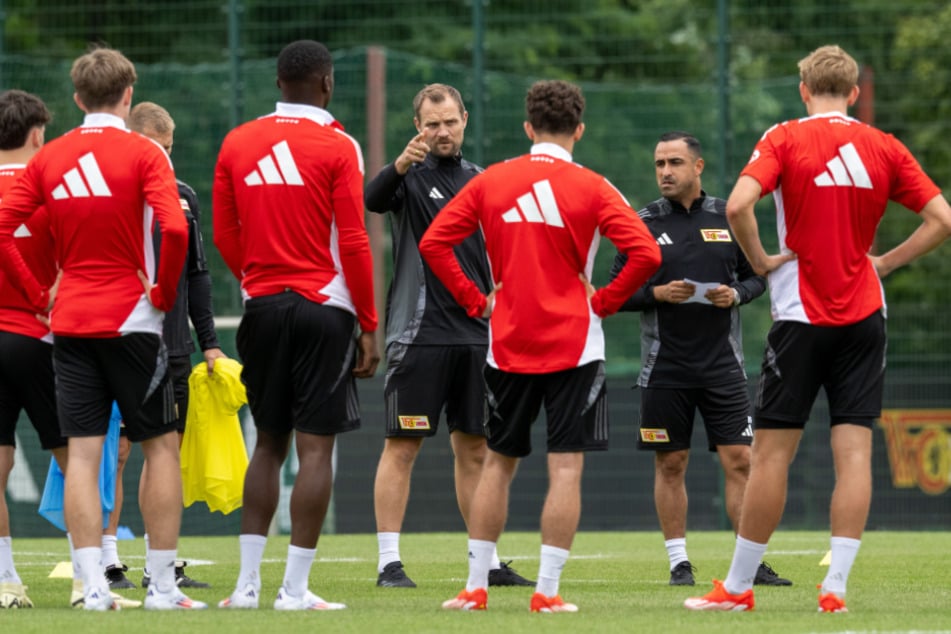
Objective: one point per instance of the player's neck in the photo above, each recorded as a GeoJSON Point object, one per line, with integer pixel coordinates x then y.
{"type": "Point", "coordinates": [826, 105]}
{"type": "Point", "coordinates": [566, 141]}
{"type": "Point", "coordinates": [686, 200]}
{"type": "Point", "coordinates": [19, 156]}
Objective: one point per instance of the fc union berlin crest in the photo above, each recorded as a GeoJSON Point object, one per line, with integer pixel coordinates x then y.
{"type": "Point", "coordinates": [919, 448]}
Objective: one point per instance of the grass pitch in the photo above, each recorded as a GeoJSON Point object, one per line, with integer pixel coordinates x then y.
{"type": "Point", "coordinates": [900, 583]}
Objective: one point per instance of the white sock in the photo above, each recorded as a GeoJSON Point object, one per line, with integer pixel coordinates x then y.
{"type": "Point", "coordinates": [252, 551]}
{"type": "Point", "coordinates": [746, 558]}
{"type": "Point", "coordinates": [161, 564]}
{"type": "Point", "coordinates": [146, 569]}
{"type": "Point", "coordinates": [389, 545]}
{"type": "Point", "coordinates": [77, 575]}
{"type": "Point", "coordinates": [553, 559]}
{"type": "Point", "coordinates": [844, 550]}
{"type": "Point", "coordinates": [480, 556]}
{"type": "Point", "coordinates": [297, 570]}
{"type": "Point", "coordinates": [110, 551]}
{"type": "Point", "coordinates": [496, 562]}
{"type": "Point", "coordinates": [676, 551]}
{"type": "Point", "coordinates": [8, 574]}
{"type": "Point", "coordinates": [89, 561]}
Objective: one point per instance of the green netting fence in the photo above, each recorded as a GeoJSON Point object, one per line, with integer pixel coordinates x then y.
{"type": "Point", "coordinates": [723, 70]}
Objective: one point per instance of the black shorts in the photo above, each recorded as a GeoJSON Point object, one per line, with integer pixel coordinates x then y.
{"type": "Point", "coordinates": [27, 383]}
{"type": "Point", "coordinates": [575, 407]}
{"type": "Point", "coordinates": [180, 368]}
{"type": "Point", "coordinates": [131, 370]}
{"type": "Point", "coordinates": [667, 416]}
{"type": "Point", "coordinates": [298, 359]}
{"type": "Point", "coordinates": [848, 361]}
{"type": "Point", "coordinates": [421, 380]}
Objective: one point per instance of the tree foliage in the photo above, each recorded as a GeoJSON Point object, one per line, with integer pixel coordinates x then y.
{"type": "Point", "coordinates": [647, 66]}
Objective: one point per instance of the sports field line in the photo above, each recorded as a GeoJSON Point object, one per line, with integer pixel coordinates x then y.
{"type": "Point", "coordinates": [886, 632]}
{"type": "Point", "coordinates": [811, 551]}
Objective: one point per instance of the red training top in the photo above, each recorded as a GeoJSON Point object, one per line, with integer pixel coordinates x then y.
{"type": "Point", "coordinates": [542, 217]}
{"type": "Point", "coordinates": [288, 210]}
{"type": "Point", "coordinates": [832, 177]}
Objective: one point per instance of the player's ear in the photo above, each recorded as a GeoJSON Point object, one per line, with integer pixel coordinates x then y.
{"type": "Point", "coordinates": [529, 131]}
{"type": "Point", "coordinates": [579, 132]}
{"type": "Point", "coordinates": [37, 136]}
{"type": "Point", "coordinates": [854, 95]}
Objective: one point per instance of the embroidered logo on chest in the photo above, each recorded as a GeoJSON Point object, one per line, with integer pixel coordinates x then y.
{"type": "Point", "coordinates": [715, 235]}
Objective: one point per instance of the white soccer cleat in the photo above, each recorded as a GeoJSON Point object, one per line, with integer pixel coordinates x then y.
{"type": "Point", "coordinates": [244, 599]}
{"type": "Point", "coordinates": [309, 601]}
{"type": "Point", "coordinates": [78, 598]}
{"type": "Point", "coordinates": [99, 600]}
{"type": "Point", "coordinates": [174, 600]}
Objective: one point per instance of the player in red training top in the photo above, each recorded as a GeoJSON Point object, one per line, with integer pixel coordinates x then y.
{"type": "Point", "coordinates": [288, 220]}
{"type": "Point", "coordinates": [103, 187]}
{"type": "Point", "coordinates": [542, 216]}
{"type": "Point", "coordinates": [26, 350]}
{"type": "Point", "coordinates": [832, 177]}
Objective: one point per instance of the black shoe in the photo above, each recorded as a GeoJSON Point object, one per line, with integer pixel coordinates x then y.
{"type": "Point", "coordinates": [181, 579]}
{"type": "Point", "coordinates": [393, 576]}
{"type": "Point", "coordinates": [766, 576]}
{"type": "Point", "coordinates": [115, 575]}
{"type": "Point", "coordinates": [184, 581]}
{"type": "Point", "coordinates": [505, 575]}
{"type": "Point", "coordinates": [682, 574]}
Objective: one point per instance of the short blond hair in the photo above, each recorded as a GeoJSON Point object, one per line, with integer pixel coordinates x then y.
{"type": "Point", "coordinates": [101, 76]}
{"type": "Point", "coordinates": [437, 93]}
{"type": "Point", "coordinates": [829, 70]}
{"type": "Point", "coordinates": [150, 117]}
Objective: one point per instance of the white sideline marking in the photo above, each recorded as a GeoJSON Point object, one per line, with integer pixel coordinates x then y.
{"type": "Point", "coordinates": [886, 632]}
{"type": "Point", "coordinates": [797, 552]}
{"type": "Point", "coordinates": [227, 322]}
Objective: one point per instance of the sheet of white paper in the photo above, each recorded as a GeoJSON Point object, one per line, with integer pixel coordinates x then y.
{"type": "Point", "coordinates": [701, 289]}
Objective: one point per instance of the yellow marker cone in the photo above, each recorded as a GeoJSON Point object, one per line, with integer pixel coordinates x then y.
{"type": "Point", "coordinates": [827, 559]}
{"type": "Point", "coordinates": [62, 570]}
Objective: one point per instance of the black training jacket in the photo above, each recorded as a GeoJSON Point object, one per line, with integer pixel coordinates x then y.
{"type": "Point", "coordinates": [692, 344]}
{"type": "Point", "coordinates": [419, 309]}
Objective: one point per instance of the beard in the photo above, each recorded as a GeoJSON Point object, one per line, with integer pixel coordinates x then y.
{"type": "Point", "coordinates": [445, 150]}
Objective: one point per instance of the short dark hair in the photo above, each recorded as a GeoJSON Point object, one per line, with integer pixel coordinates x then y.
{"type": "Point", "coordinates": [693, 144]}
{"type": "Point", "coordinates": [20, 112]}
{"type": "Point", "coordinates": [554, 106]}
{"type": "Point", "coordinates": [303, 60]}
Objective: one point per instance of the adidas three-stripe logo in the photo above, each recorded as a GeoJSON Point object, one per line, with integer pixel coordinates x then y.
{"type": "Point", "coordinates": [845, 170]}
{"type": "Point", "coordinates": [664, 239]}
{"type": "Point", "coordinates": [83, 181]}
{"type": "Point", "coordinates": [537, 205]}
{"type": "Point", "coordinates": [277, 168]}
